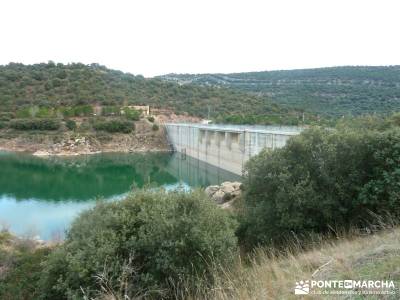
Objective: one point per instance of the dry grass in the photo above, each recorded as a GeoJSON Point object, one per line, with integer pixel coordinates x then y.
{"type": "Point", "coordinates": [273, 275]}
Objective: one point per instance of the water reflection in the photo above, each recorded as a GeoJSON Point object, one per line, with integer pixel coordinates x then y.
{"type": "Point", "coordinates": [43, 195]}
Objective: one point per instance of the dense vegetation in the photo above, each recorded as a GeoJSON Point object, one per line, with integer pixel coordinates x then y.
{"type": "Point", "coordinates": [24, 268]}
{"type": "Point", "coordinates": [323, 180]}
{"type": "Point", "coordinates": [114, 126]}
{"type": "Point", "coordinates": [329, 91]}
{"type": "Point", "coordinates": [57, 90]}
{"type": "Point", "coordinates": [150, 243]}
{"type": "Point", "coordinates": [35, 124]}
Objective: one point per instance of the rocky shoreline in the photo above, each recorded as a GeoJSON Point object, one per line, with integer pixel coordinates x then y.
{"type": "Point", "coordinates": [75, 152]}
{"type": "Point", "coordinates": [83, 146]}
{"type": "Point", "coordinates": [67, 144]}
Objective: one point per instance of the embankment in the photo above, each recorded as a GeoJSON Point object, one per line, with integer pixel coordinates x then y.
{"type": "Point", "coordinates": [64, 142]}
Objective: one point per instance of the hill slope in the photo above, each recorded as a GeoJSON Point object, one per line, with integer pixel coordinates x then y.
{"type": "Point", "coordinates": [272, 276]}
{"type": "Point", "coordinates": [268, 276]}
{"type": "Point", "coordinates": [55, 85]}
{"type": "Point", "coordinates": [331, 91]}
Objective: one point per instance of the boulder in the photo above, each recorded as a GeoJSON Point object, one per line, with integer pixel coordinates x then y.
{"type": "Point", "coordinates": [227, 191]}
{"type": "Point", "coordinates": [237, 185]}
{"type": "Point", "coordinates": [210, 190]}
{"type": "Point", "coordinates": [227, 188]}
{"type": "Point", "coordinates": [236, 193]}
{"type": "Point", "coordinates": [219, 197]}
{"type": "Point", "coordinates": [226, 183]}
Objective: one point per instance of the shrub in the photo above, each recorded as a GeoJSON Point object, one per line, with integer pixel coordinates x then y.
{"type": "Point", "coordinates": [35, 112]}
{"type": "Point", "coordinates": [161, 237]}
{"type": "Point", "coordinates": [155, 127]}
{"type": "Point", "coordinates": [6, 116]}
{"type": "Point", "coordinates": [71, 124]}
{"type": "Point", "coordinates": [85, 126]}
{"type": "Point", "coordinates": [151, 119]}
{"type": "Point", "coordinates": [3, 125]}
{"type": "Point", "coordinates": [322, 179]}
{"type": "Point", "coordinates": [114, 126]}
{"type": "Point", "coordinates": [77, 111]}
{"type": "Point", "coordinates": [35, 124]}
{"type": "Point", "coordinates": [26, 112]}
{"type": "Point", "coordinates": [44, 112]}
{"type": "Point", "coordinates": [21, 280]}
{"type": "Point", "coordinates": [132, 114]}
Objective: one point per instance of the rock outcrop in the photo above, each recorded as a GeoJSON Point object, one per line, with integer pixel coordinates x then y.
{"type": "Point", "coordinates": [224, 194]}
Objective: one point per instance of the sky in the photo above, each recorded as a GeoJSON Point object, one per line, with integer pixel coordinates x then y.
{"type": "Point", "coordinates": [154, 37]}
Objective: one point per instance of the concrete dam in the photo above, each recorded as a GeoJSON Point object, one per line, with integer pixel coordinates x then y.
{"type": "Point", "coordinates": [228, 147]}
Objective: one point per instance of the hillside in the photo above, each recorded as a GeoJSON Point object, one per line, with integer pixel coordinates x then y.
{"type": "Point", "coordinates": [332, 91]}
{"type": "Point", "coordinates": [274, 275]}
{"type": "Point", "coordinates": [51, 85]}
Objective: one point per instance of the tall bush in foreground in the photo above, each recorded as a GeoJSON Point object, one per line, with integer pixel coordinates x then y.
{"type": "Point", "coordinates": [145, 244]}
{"type": "Point", "coordinates": [321, 180]}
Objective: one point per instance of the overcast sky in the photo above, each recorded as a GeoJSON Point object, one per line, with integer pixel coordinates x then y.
{"type": "Point", "coordinates": [153, 37]}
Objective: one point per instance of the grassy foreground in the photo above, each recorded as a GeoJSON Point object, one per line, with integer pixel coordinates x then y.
{"type": "Point", "coordinates": [273, 275]}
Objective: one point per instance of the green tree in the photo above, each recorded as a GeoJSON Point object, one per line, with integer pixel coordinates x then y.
{"type": "Point", "coordinates": [70, 124]}
{"type": "Point", "coordinates": [165, 238]}
{"type": "Point", "coordinates": [320, 180]}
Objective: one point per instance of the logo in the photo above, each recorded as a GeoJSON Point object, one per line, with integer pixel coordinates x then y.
{"type": "Point", "coordinates": [302, 288]}
{"type": "Point", "coordinates": [345, 287]}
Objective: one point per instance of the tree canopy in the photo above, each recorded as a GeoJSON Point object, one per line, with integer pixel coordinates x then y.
{"type": "Point", "coordinates": [49, 87]}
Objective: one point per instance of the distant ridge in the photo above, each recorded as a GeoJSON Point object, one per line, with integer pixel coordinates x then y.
{"type": "Point", "coordinates": [330, 91]}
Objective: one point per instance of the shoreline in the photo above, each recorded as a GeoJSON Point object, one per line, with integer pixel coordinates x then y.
{"type": "Point", "coordinates": [69, 143]}
{"type": "Point", "coordinates": [44, 153]}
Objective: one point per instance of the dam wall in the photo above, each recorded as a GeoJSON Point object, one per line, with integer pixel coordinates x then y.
{"type": "Point", "coordinates": [196, 172]}
{"type": "Point", "coordinates": [227, 147]}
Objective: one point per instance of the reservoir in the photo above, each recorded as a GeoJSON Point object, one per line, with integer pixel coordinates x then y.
{"type": "Point", "coordinates": [41, 196]}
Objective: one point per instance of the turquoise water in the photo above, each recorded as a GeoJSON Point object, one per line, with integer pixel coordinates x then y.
{"type": "Point", "coordinates": [41, 196]}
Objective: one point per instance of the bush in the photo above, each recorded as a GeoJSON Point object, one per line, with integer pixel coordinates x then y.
{"type": "Point", "coordinates": [3, 125]}
{"type": "Point", "coordinates": [21, 280]}
{"type": "Point", "coordinates": [85, 126]}
{"type": "Point", "coordinates": [132, 114]}
{"type": "Point", "coordinates": [77, 111]}
{"type": "Point", "coordinates": [35, 112]}
{"type": "Point", "coordinates": [155, 127]}
{"type": "Point", "coordinates": [35, 124]}
{"type": "Point", "coordinates": [26, 112]}
{"type": "Point", "coordinates": [6, 116]}
{"type": "Point", "coordinates": [71, 124]}
{"type": "Point", "coordinates": [322, 179]}
{"type": "Point", "coordinates": [114, 126]}
{"type": "Point", "coordinates": [162, 238]}
{"type": "Point", "coordinates": [151, 119]}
